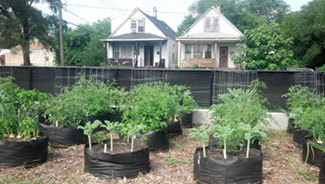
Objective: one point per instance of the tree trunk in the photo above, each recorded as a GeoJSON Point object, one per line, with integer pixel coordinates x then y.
{"type": "Point", "coordinates": [26, 50]}
{"type": "Point", "coordinates": [26, 42]}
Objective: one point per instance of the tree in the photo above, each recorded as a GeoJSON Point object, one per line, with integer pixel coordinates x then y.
{"type": "Point", "coordinates": [307, 28]}
{"type": "Point", "coordinates": [244, 14]}
{"type": "Point", "coordinates": [21, 23]}
{"type": "Point", "coordinates": [82, 46]}
{"type": "Point", "coordinates": [265, 48]}
{"type": "Point", "coordinates": [186, 23]}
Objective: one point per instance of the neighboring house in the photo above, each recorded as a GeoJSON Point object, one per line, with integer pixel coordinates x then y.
{"type": "Point", "coordinates": [39, 56]}
{"type": "Point", "coordinates": [209, 42]}
{"type": "Point", "coordinates": [142, 41]}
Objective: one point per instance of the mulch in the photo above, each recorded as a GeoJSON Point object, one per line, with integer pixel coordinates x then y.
{"type": "Point", "coordinates": [282, 164]}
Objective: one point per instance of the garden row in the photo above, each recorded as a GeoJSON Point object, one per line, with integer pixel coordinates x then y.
{"type": "Point", "coordinates": [120, 127]}
{"type": "Point", "coordinates": [307, 124]}
{"type": "Point", "coordinates": [141, 118]}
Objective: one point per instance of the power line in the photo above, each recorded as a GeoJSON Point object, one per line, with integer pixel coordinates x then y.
{"type": "Point", "coordinates": [119, 9]}
{"type": "Point", "coordinates": [76, 15]}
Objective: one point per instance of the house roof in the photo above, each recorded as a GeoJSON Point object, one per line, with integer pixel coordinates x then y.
{"type": "Point", "coordinates": [134, 37]}
{"type": "Point", "coordinates": [210, 35]}
{"type": "Point", "coordinates": [161, 25]}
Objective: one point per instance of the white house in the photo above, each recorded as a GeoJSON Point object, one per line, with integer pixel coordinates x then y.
{"type": "Point", "coordinates": [142, 41]}
{"type": "Point", "coordinates": [39, 55]}
{"type": "Point", "coordinates": [209, 42]}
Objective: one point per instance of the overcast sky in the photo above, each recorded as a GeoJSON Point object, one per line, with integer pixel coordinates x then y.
{"type": "Point", "coordinates": [170, 11]}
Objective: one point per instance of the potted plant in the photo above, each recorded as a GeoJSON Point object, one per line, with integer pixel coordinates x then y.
{"type": "Point", "coordinates": [187, 104]}
{"type": "Point", "coordinates": [237, 123]}
{"type": "Point", "coordinates": [20, 143]}
{"type": "Point", "coordinates": [122, 159]}
{"type": "Point", "coordinates": [239, 105]}
{"type": "Point", "coordinates": [87, 100]}
{"type": "Point", "coordinates": [227, 164]}
{"type": "Point", "coordinates": [313, 119]}
{"type": "Point", "coordinates": [299, 98]}
{"type": "Point", "coordinates": [146, 105]}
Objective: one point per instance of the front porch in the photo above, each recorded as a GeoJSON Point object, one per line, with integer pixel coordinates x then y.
{"type": "Point", "coordinates": [135, 52]}
{"type": "Point", "coordinates": [206, 54]}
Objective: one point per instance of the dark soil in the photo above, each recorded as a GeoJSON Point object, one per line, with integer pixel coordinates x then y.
{"type": "Point", "coordinates": [218, 154]}
{"type": "Point", "coordinates": [119, 146]}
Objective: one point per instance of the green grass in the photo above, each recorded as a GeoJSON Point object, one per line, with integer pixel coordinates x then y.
{"type": "Point", "coordinates": [170, 160]}
{"type": "Point", "coordinates": [307, 176]}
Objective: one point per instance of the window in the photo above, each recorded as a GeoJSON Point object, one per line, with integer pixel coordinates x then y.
{"type": "Point", "coordinates": [211, 24]}
{"type": "Point", "coordinates": [188, 51]}
{"type": "Point", "coordinates": [208, 51]}
{"type": "Point", "coordinates": [126, 51]}
{"type": "Point", "coordinates": [116, 52]}
{"type": "Point", "coordinates": [197, 51]}
{"type": "Point", "coordinates": [137, 26]}
{"type": "Point", "coordinates": [207, 25]}
{"type": "Point", "coordinates": [215, 25]}
{"type": "Point", "coordinates": [141, 26]}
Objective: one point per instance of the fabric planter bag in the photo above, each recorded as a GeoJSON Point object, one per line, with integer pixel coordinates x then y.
{"type": "Point", "coordinates": [235, 170]}
{"type": "Point", "coordinates": [63, 136]}
{"type": "Point", "coordinates": [322, 172]}
{"type": "Point", "coordinates": [291, 126]}
{"type": "Point", "coordinates": [299, 135]}
{"type": "Point", "coordinates": [315, 156]}
{"type": "Point", "coordinates": [213, 143]}
{"type": "Point", "coordinates": [174, 128]}
{"type": "Point", "coordinates": [26, 153]}
{"type": "Point", "coordinates": [110, 166]}
{"type": "Point", "coordinates": [156, 140]}
{"type": "Point", "coordinates": [186, 120]}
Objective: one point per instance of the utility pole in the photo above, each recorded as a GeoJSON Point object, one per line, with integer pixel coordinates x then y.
{"type": "Point", "coordinates": [61, 32]}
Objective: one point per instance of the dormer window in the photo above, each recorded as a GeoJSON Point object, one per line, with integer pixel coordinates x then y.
{"type": "Point", "coordinates": [137, 25]}
{"type": "Point", "coordinates": [211, 24]}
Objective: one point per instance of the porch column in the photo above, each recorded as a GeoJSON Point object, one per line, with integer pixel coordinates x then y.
{"type": "Point", "coordinates": [136, 54]}
{"type": "Point", "coordinates": [216, 63]}
{"type": "Point", "coordinates": [160, 62]}
{"type": "Point", "coordinates": [105, 53]}
{"type": "Point", "coordinates": [179, 54]}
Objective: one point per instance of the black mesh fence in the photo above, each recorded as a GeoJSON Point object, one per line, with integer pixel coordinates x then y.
{"type": "Point", "coordinates": [204, 84]}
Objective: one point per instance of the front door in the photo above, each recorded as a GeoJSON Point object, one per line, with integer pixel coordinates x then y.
{"type": "Point", "coordinates": [223, 57]}
{"type": "Point", "coordinates": [148, 55]}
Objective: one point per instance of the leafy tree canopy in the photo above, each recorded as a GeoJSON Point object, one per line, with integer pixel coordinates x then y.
{"type": "Point", "coordinates": [265, 48]}
{"type": "Point", "coordinates": [82, 46]}
{"type": "Point", "coordinates": [21, 23]}
{"type": "Point", "coordinates": [307, 27]}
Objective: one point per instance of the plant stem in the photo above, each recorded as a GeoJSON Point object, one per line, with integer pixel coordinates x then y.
{"type": "Point", "coordinates": [105, 148]}
{"type": "Point", "coordinates": [132, 142]}
{"type": "Point", "coordinates": [89, 141]}
{"type": "Point", "coordinates": [225, 149]}
{"type": "Point", "coordinates": [204, 153]}
{"type": "Point", "coordinates": [248, 147]}
{"type": "Point", "coordinates": [111, 135]}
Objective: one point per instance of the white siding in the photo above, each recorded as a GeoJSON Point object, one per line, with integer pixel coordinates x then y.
{"type": "Point", "coordinates": [149, 26]}
{"type": "Point", "coordinates": [225, 26]}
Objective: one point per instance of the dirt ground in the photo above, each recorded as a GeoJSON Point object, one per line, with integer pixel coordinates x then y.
{"type": "Point", "coordinates": [282, 164]}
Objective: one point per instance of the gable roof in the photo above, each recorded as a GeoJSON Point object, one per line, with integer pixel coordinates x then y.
{"type": "Point", "coordinates": [161, 25]}
{"type": "Point", "coordinates": [212, 8]}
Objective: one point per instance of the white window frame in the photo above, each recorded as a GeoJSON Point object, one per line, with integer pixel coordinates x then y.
{"type": "Point", "coordinates": [136, 28]}
{"type": "Point", "coordinates": [212, 27]}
